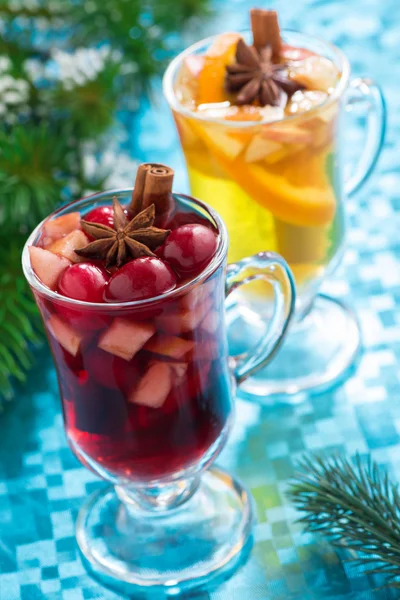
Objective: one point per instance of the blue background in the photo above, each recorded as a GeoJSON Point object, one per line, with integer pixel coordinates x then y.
{"type": "Point", "coordinates": [42, 485]}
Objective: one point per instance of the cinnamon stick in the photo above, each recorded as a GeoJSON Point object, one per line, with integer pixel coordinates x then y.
{"type": "Point", "coordinates": [158, 187]}
{"type": "Point", "coordinates": [266, 30]}
{"type": "Point", "coordinates": [153, 185]}
{"type": "Point", "coordinates": [135, 205]}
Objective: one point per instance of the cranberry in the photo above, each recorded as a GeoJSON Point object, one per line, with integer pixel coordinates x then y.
{"type": "Point", "coordinates": [189, 249]}
{"type": "Point", "coordinates": [83, 281]}
{"type": "Point", "coordinates": [103, 215]}
{"type": "Point", "coordinates": [141, 278]}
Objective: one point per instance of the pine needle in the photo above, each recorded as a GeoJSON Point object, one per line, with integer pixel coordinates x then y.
{"type": "Point", "coordinates": [356, 506]}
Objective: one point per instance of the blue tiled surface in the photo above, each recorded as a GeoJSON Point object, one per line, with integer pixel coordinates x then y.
{"type": "Point", "coordinates": [42, 485]}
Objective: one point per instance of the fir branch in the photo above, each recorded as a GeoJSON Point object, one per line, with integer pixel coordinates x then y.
{"type": "Point", "coordinates": [355, 506]}
{"type": "Point", "coordinates": [20, 326]}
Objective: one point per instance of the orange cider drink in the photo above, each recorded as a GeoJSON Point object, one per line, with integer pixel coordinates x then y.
{"type": "Point", "coordinates": [258, 127]}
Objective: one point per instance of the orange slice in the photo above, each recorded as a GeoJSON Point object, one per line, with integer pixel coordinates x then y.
{"type": "Point", "coordinates": [307, 206]}
{"type": "Point", "coordinates": [211, 82]}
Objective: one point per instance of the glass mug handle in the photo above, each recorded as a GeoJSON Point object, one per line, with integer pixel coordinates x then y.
{"type": "Point", "coordinates": [272, 268]}
{"type": "Point", "coordinates": [368, 92]}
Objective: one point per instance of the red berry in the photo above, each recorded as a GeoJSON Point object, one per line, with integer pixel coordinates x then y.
{"type": "Point", "coordinates": [190, 248]}
{"type": "Point", "coordinates": [83, 281]}
{"type": "Point", "coordinates": [141, 278]}
{"type": "Point", "coordinates": [103, 215]}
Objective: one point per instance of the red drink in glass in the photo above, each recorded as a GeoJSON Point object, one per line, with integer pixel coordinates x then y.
{"type": "Point", "coordinates": [146, 389]}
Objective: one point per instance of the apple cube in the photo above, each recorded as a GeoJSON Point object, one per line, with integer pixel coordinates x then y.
{"type": "Point", "coordinates": [67, 245]}
{"type": "Point", "coordinates": [211, 322]}
{"type": "Point", "coordinates": [154, 387]}
{"type": "Point", "coordinates": [187, 320]}
{"type": "Point", "coordinates": [287, 134]}
{"type": "Point", "coordinates": [47, 266]}
{"type": "Point", "coordinates": [259, 148]}
{"type": "Point", "coordinates": [125, 338]}
{"type": "Point", "coordinates": [60, 226]}
{"type": "Point", "coordinates": [227, 145]}
{"type": "Point", "coordinates": [169, 345]}
{"type": "Point", "coordinates": [316, 72]}
{"type": "Point", "coordinates": [67, 336]}
{"type": "Point", "coordinates": [198, 294]}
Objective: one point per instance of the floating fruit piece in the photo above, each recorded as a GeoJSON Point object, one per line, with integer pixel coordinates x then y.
{"type": "Point", "coordinates": [67, 245]}
{"type": "Point", "coordinates": [260, 147]}
{"type": "Point", "coordinates": [287, 134]}
{"type": "Point", "coordinates": [67, 337]}
{"type": "Point", "coordinates": [189, 249]}
{"type": "Point", "coordinates": [211, 80]}
{"type": "Point", "coordinates": [144, 277]}
{"type": "Point", "coordinates": [83, 281]}
{"type": "Point", "coordinates": [304, 206]}
{"type": "Point", "coordinates": [316, 73]}
{"type": "Point", "coordinates": [169, 345]}
{"type": "Point", "coordinates": [47, 266]}
{"type": "Point", "coordinates": [186, 320]}
{"type": "Point", "coordinates": [302, 101]}
{"type": "Point", "coordinates": [102, 214]}
{"type": "Point", "coordinates": [60, 226]}
{"type": "Point", "coordinates": [294, 53]}
{"type": "Point", "coordinates": [198, 294]}
{"type": "Point", "coordinates": [125, 338]}
{"type": "Point", "coordinates": [154, 387]}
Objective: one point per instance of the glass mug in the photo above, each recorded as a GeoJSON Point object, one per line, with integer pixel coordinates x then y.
{"type": "Point", "coordinates": [154, 444]}
{"type": "Point", "coordinates": [289, 199]}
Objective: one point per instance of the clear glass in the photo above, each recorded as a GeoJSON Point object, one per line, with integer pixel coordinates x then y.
{"type": "Point", "coordinates": [151, 421]}
{"type": "Point", "coordinates": [279, 186]}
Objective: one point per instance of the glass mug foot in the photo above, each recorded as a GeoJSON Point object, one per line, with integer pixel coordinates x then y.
{"type": "Point", "coordinates": [318, 353]}
{"type": "Point", "coordinates": [128, 548]}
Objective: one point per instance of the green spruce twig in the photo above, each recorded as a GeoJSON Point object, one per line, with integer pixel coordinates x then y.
{"type": "Point", "coordinates": [355, 505]}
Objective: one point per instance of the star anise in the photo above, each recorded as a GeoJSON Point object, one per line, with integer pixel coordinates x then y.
{"type": "Point", "coordinates": [128, 239]}
{"type": "Point", "coordinates": [255, 77]}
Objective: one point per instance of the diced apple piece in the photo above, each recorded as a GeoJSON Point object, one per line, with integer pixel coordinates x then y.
{"type": "Point", "coordinates": [67, 245]}
{"type": "Point", "coordinates": [259, 148]}
{"type": "Point", "coordinates": [316, 72]}
{"type": "Point", "coordinates": [287, 134]}
{"type": "Point", "coordinates": [211, 322]}
{"type": "Point", "coordinates": [47, 266]}
{"type": "Point", "coordinates": [169, 345]}
{"type": "Point", "coordinates": [125, 338]}
{"type": "Point", "coordinates": [198, 294]}
{"type": "Point", "coordinates": [67, 337]}
{"type": "Point", "coordinates": [63, 225]}
{"type": "Point", "coordinates": [154, 387]}
{"type": "Point", "coordinates": [186, 134]}
{"type": "Point", "coordinates": [302, 101]}
{"type": "Point", "coordinates": [187, 320]}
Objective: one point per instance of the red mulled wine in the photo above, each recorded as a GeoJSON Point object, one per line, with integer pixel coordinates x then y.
{"type": "Point", "coordinates": [140, 349]}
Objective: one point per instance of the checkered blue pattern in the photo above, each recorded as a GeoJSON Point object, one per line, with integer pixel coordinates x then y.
{"type": "Point", "coordinates": [42, 485]}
